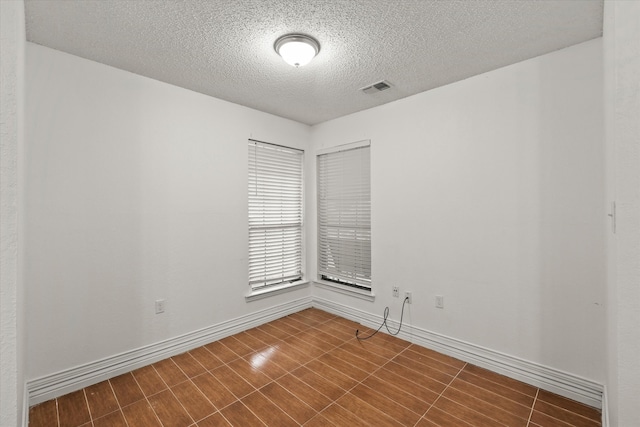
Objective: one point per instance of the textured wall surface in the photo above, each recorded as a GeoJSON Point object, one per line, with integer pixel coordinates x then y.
{"type": "Point", "coordinates": [224, 48]}
{"type": "Point", "coordinates": [622, 67]}
{"type": "Point", "coordinates": [489, 192]}
{"type": "Point", "coordinates": [12, 36]}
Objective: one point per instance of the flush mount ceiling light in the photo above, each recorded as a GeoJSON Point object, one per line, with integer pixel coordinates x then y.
{"type": "Point", "coordinates": [297, 49]}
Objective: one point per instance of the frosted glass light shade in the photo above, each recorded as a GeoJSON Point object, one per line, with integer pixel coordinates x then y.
{"type": "Point", "coordinates": [297, 49]}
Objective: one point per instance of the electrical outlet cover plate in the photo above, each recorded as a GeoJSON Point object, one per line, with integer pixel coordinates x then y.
{"type": "Point", "coordinates": [160, 306]}
{"type": "Point", "coordinates": [396, 291]}
{"type": "Point", "coordinates": [407, 294]}
{"type": "Point", "coordinates": [439, 301]}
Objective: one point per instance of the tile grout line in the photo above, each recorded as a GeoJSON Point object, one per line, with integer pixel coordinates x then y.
{"type": "Point", "coordinates": [407, 392]}
{"type": "Point", "coordinates": [370, 375]}
{"type": "Point", "coordinates": [274, 403]}
{"type": "Point", "coordinates": [345, 342]}
{"type": "Point", "coordinates": [499, 384]}
{"type": "Point", "coordinates": [274, 336]}
{"type": "Point", "coordinates": [484, 402]}
{"type": "Point", "coordinates": [454, 376]}
{"type": "Point", "coordinates": [509, 389]}
{"type": "Point", "coordinates": [357, 382]}
{"type": "Point", "coordinates": [237, 399]}
{"type": "Point", "coordinates": [533, 405]}
{"type": "Point", "coordinates": [190, 379]}
{"type": "Point", "coordinates": [86, 401]}
{"type": "Point", "coordinates": [202, 393]}
{"type": "Point", "coordinates": [271, 380]}
{"type": "Point", "coordinates": [487, 401]}
{"type": "Point", "coordinates": [168, 388]}
{"type": "Point", "coordinates": [310, 385]}
{"type": "Point", "coordinates": [566, 410]}
{"type": "Point", "coordinates": [426, 388]}
{"type": "Point", "coordinates": [57, 413]}
{"type": "Point", "coordinates": [249, 409]}
{"type": "Point", "coordinates": [297, 324]}
{"type": "Point", "coordinates": [535, 398]}
{"type": "Point", "coordinates": [563, 422]}
{"type": "Point", "coordinates": [117, 401]}
{"type": "Point", "coordinates": [441, 393]}
{"type": "Point", "coordinates": [145, 398]}
{"type": "Point", "coordinates": [288, 372]}
{"type": "Point", "coordinates": [409, 348]}
{"type": "Point", "coordinates": [208, 371]}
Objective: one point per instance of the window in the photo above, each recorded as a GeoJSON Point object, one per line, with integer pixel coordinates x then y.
{"type": "Point", "coordinates": [344, 216]}
{"type": "Point", "coordinates": [275, 215]}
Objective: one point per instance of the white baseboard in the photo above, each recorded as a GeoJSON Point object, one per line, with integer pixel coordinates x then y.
{"type": "Point", "coordinates": [565, 384]}
{"type": "Point", "coordinates": [605, 408]}
{"type": "Point", "coordinates": [60, 383]}
{"type": "Point", "coordinates": [553, 380]}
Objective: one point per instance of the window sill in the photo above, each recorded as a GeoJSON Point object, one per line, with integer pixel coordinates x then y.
{"type": "Point", "coordinates": [346, 290]}
{"type": "Point", "coordinates": [275, 290]}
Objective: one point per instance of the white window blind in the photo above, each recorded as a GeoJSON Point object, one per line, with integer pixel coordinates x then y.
{"type": "Point", "coordinates": [275, 214]}
{"type": "Point", "coordinates": [344, 217]}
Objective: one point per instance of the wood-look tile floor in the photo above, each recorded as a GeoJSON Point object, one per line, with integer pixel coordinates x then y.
{"type": "Point", "coordinates": [308, 369]}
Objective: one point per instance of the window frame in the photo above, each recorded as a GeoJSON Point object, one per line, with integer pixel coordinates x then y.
{"type": "Point", "coordinates": [357, 290]}
{"type": "Point", "coordinates": [274, 174]}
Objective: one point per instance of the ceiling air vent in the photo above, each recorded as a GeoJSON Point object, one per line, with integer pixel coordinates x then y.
{"type": "Point", "coordinates": [376, 87]}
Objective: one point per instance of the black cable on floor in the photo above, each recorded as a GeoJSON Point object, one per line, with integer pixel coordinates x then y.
{"type": "Point", "coordinates": [384, 323]}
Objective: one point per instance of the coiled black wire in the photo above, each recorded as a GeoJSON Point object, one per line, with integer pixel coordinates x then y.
{"type": "Point", "coordinates": [384, 323]}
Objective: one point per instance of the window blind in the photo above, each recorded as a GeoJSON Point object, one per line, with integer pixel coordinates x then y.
{"type": "Point", "coordinates": [275, 214]}
{"type": "Point", "coordinates": [344, 217]}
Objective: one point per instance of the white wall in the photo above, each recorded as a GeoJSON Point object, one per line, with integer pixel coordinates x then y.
{"type": "Point", "coordinates": [489, 192]}
{"type": "Point", "coordinates": [136, 190]}
{"type": "Point", "coordinates": [12, 46]}
{"type": "Point", "coordinates": [622, 106]}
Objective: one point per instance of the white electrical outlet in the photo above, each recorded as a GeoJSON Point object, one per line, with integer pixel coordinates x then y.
{"type": "Point", "coordinates": [439, 301]}
{"type": "Point", "coordinates": [396, 291]}
{"type": "Point", "coordinates": [160, 306]}
{"type": "Point", "coordinates": [407, 295]}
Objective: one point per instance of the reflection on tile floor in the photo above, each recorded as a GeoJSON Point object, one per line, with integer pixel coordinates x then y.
{"type": "Point", "coordinates": [308, 369]}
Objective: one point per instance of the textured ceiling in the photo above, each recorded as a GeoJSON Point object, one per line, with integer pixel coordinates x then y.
{"type": "Point", "coordinates": [224, 48]}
